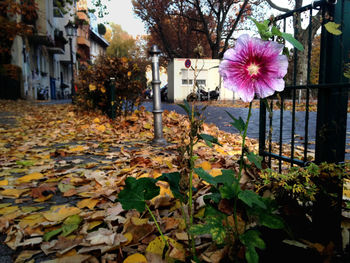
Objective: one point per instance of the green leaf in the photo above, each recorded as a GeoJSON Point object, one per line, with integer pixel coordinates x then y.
{"type": "Point", "coordinates": [71, 224]}
{"type": "Point", "coordinates": [212, 212]}
{"type": "Point", "coordinates": [332, 28]}
{"type": "Point", "coordinates": [187, 110]}
{"type": "Point", "coordinates": [228, 177]}
{"type": "Point", "coordinates": [249, 197]}
{"type": "Point", "coordinates": [25, 163]}
{"type": "Point", "coordinates": [229, 191]}
{"type": "Point", "coordinates": [289, 37]}
{"type": "Point", "coordinates": [271, 221]}
{"type": "Point", "coordinates": [255, 159]}
{"type": "Point", "coordinates": [47, 236]}
{"type": "Point", "coordinates": [251, 255]}
{"type": "Point", "coordinates": [209, 140]}
{"type": "Point", "coordinates": [137, 192]}
{"type": "Point", "coordinates": [275, 31]}
{"type": "Point", "coordinates": [205, 176]}
{"type": "Point", "coordinates": [174, 181]}
{"type": "Point", "coordinates": [213, 226]}
{"type": "Point", "coordinates": [251, 238]}
{"type": "Point", "coordinates": [237, 123]}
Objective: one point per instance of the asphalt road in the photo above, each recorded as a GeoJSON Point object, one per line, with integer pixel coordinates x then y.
{"type": "Point", "coordinates": [219, 117]}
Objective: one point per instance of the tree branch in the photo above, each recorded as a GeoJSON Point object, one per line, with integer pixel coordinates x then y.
{"type": "Point", "coordinates": [273, 5]}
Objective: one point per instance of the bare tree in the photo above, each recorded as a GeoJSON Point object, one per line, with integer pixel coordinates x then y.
{"type": "Point", "coordinates": [302, 35]}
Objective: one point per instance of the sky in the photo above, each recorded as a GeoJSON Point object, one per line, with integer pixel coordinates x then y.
{"type": "Point", "coordinates": [121, 13]}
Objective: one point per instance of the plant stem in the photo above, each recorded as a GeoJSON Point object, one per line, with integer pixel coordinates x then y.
{"type": "Point", "coordinates": [191, 184]}
{"type": "Point", "coordinates": [240, 170]}
{"type": "Point", "coordinates": [158, 227]}
{"type": "Point", "coordinates": [243, 141]}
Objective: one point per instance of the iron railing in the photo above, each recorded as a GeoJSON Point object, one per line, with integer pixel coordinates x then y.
{"type": "Point", "coordinates": [332, 91]}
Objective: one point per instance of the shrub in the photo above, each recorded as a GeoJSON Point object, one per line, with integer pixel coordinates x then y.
{"type": "Point", "coordinates": [94, 85]}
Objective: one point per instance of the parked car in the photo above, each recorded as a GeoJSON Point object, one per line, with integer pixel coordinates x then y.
{"type": "Point", "coordinates": [164, 93]}
{"type": "Point", "coordinates": [202, 95]}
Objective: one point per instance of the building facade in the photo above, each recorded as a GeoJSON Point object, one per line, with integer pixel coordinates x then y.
{"type": "Point", "coordinates": [182, 72]}
{"type": "Point", "coordinates": [47, 59]}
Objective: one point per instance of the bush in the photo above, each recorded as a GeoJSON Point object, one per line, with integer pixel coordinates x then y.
{"type": "Point", "coordinates": [93, 86]}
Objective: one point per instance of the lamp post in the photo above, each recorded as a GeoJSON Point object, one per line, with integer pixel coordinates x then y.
{"type": "Point", "coordinates": [71, 31]}
{"type": "Point", "coordinates": [158, 139]}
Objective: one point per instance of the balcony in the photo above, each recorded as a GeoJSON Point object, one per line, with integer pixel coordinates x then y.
{"type": "Point", "coordinates": [83, 41]}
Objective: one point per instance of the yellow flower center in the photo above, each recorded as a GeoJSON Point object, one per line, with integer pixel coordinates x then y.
{"type": "Point", "coordinates": [253, 69]}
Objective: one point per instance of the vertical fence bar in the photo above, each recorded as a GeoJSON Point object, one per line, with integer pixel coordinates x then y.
{"type": "Point", "coordinates": [270, 131]}
{"type": "Point", "coordinates": [281, 133]}
{"type": "Point", "coordinates": [292, 145]}
{"type": "Point", "coordinates": [262, 128]}
{"type": "Point", "coordinates": [157, 111]}
{"type": "Point", "coordinates": [306, 135]}
{"type": "Point", "coordinates": [281, 116]}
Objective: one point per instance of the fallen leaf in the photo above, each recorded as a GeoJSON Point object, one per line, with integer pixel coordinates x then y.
{"type": "Point", "coordinates": [29, 178]}
{"type": "Point", "coordinates": [59, 213]}
{"type": "Point", "coordinates": [89, 203]}
{"type": "Point", "coordinates": [69, 259]}
{"type": "Point", "coordinates": [26, 255]}
{"type": "Point", "coordinates": [101, 128]}
{"type": "Point", "coordinates": [13, 193]}
{"type": "Point", "coordinates": [135, 258]}
{"type": "Point", "coordinates": [101, 236]}
{"type": "Point", "coordinates": [4, 182]}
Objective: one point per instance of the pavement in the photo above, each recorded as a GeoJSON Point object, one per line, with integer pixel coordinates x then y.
{"type": "Point", "coordinates": [219, 117]}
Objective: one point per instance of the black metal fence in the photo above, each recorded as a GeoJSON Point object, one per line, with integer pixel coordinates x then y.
{"type": "Point", "coordinates": [329, 124]}
{"type": "Point", "coordinates": [331, 89]}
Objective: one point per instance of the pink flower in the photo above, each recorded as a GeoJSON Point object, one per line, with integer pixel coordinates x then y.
{"type": "Point", "coordinates": [254, 66]}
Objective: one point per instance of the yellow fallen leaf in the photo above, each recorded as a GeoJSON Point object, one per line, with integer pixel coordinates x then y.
{"type": "Point", "coordinates": [101, 128]}
{"type": "Point", "coordinates": [139, 221]}
{"type": "Point", "coordinates": [97, 120]}
{"type": "Point", "coordinates": [43, 198]}
{"type": "Point", "coordinates": [157, 246]}
{"type": "Point", "coordinates": [206, 165]}
{"type": "Point", "coordinates": [147, 126]}
{"type": "Point", "coordinates": [59, 213]}
{"type": "Point", "coordinates": [219, 150]}
{"type": "Point", "coordinates": [103, 90]}
{"type": "Point", "coordinates": [31, 220]}
{"type": "Point", "coordinates": [25, 255]}
{"type": "Point", "coordinates": [4, 182]}
{"type": "Point", "coordinates": [135, 258]}
{"type": "Point", "coordinates": [92, 87]}
{"type": "Point", "coordinates": [94, 224]}
{"type": "Point", "coordinates": [78, 148]}
{"type": "Point", "coordinates": [29, 177]}
{"type": "Point", "coordinates": [8, 210]}
{"type": "Point", "coordinates": [5, 205]}
{"type": "Point", "coordinates": [215, 172]}
{"type": "Point", "coordinates": [89, 203]}
{"type": "Point", "coordinates": [129, 238]}
{"type": "Point", "coordinates": [14, 193]}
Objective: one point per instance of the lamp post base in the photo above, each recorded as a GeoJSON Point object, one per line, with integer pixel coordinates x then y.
{"type": "Point", "coordinates": [159, 142]}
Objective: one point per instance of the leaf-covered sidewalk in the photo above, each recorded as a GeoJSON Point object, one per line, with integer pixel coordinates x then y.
{"type": "Point", "coordinates": [62, 170]}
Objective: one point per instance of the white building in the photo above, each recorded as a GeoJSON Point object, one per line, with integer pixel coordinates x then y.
{"type": "Point", "coordinates": [181, 78]}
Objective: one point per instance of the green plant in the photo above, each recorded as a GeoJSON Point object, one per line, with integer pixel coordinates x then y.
{"type": "Point", "coordinates": [239, 203]}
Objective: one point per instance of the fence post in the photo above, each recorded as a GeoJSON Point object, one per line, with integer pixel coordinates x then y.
{"type": "Point", "coordinates": [262, 129]}
{"type": "Point", "coordinates": [157, 111]}
{"type": "Point", "coordinates": [331, 122]}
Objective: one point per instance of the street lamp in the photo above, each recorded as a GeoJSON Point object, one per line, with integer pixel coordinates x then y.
{"type": "Point", "coordinates": [71, 31]}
